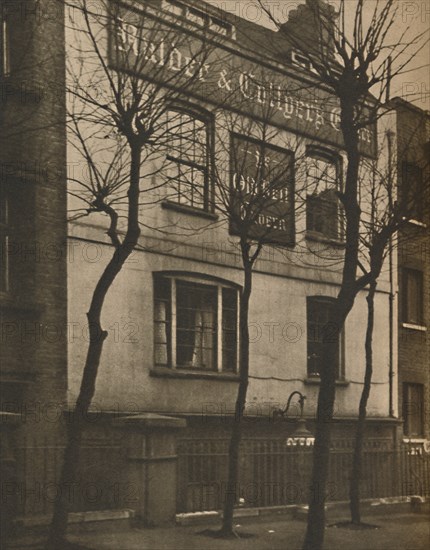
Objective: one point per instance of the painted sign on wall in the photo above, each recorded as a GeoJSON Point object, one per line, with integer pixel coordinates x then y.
{"type": "Point", "coordinates": [262, 190]}
{"type": "Point", "coordinates": [147, 46]}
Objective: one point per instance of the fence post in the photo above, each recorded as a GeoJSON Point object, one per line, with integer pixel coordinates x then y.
{"type": "Point", "coordinates": [152, 464]}
{"type": "Point", "coordinates": [8, 475]}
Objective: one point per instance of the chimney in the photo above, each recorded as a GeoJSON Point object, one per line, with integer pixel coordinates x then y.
{"type": "Point", "coordinates": [311, 27]}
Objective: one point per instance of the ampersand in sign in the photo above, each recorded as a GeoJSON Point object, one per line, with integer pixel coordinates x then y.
{"type": "Point", "coordinates": [223, 82]}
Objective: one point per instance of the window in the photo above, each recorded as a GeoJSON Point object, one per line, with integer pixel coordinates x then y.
{"type": "Point", "coordinates": [320, 330]}
{"type": "Point", "coordinates": [195, 324]}
{"type": "Point", "coordinates": [200, 18]}
{"type": "Point", "coordinates": [4, 46]}
{"type": "Point", "coordinates": [413, 410]}
{"type": "Point", "coordinates": [412, 190]}
{"type": "Point", "coordinates": [302, 61]}
{"type": "Point", "coordinates": [322, 211]}
{"type": "Point", "coordinates": [4, 236]}
{"type": "Point", "coordinates": [175, 8]}
{"type": "Point", "coordinates": [413, 296]}
{"type": "Point", "coordinates": [189, 160]}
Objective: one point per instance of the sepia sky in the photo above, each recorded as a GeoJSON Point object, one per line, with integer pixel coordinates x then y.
{"type": "Point", "coordinates": [412, 18]}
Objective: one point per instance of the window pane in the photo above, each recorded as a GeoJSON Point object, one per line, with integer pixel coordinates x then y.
{"type": "Point", "coordinates": [173, 7]}
{"type": "Point", "coordinates": [322, 206]}
{"type": "Point", "coordinates": [412, 190]}
{"type": "Point", "coordinates": [413, 408]}
{"type": "Point", "coordinates": [413, 296]}
{"type": "Point", "coordinates": [197, 17]}
{"type": "Point", "coordinates": [162, 322]}
{"type": "Point", "coordinates": [220, 27]}
{"type": "Point", "coordinates": [188, 157]}
{"type": "Point", "coordinates": [4, 45]}
{"type": "Point", "coordinates": [196, 321]}
{"type": "Point", "coordinates": [4, 235]}
{"type": "Point", "coordinates": [229, 329]}
{"type": "Point", "coordinates": [320, 332]}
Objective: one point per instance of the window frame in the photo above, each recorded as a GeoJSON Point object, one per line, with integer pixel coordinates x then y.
{"type": "Point", "coordinates": [407, 273]}
{"type": "Point", "coordinates": [329, 157]}
{"type": "Point", "coordinates": [208, 191]}
{"type": "Point", "coordinates": [200, 280]}
{"type": "Point", "coordinates": [210, 22]}
{"type": "Point", "coordinates": [321, 301]}
{"type": "Point", "coordinates": [5, 231]}
{"type": "Point", "coordinates": [405, 179]}
{"type": "Point", "coordinates": [410, 419]}
{"type": "Point", "coordinates": [5, 58]}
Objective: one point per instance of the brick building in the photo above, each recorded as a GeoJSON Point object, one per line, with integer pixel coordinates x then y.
{"type": "Point", "coordinates": [412, 154]}
{"type": "Point", "coordinates": [173, 311]}
{"type": "Point", "coordinates": [33, 238]}
{"type": "Point", "coordinates": [168, 376]}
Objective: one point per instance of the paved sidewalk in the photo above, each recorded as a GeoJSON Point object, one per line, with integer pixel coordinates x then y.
{"type": "Point", "coordinates": [395, 532]}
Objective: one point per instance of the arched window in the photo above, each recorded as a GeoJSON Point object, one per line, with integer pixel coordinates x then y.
{"type": "Point", "coordinates": [195, 323]}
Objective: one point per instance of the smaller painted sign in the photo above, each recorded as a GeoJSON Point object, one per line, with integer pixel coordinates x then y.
{"type": "Point", "coordinates": [262, 188]}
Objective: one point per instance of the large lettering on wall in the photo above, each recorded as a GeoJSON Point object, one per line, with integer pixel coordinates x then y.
{"type": "Point", "coordinates": [262, 191]}
{"type": "Point", "coordinates": [176, 57]}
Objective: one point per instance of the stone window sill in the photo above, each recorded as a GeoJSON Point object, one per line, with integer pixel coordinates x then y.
{"type": "Point", "coordinates": [417, 223]}
{"type": "Point", "coordinates": [413, 326]}
{"type": "Point", "coordinates": [318, 237]}
{"type": "Point", "coordinates": [167, 372]}
{"type": "Point", "coordinates": [184, 209]}
{"type": "Point", "coordinates": [316, 380]}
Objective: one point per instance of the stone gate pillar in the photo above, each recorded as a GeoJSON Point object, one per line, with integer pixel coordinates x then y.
{"type": "Point", "coordinates": [152, 464]}
{"type": "Point", "coordinates": [8, 475]}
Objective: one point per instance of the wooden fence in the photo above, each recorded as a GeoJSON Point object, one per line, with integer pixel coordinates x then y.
{"type": "Point", "coordinates": [272, 474]}
{"type": "Point", "coordinates": [99, 486]}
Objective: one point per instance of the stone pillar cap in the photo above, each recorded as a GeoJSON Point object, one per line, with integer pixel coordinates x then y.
{"type": "Point", "coordinates": [8, 419]}
{"type": "Point", "coordinates": [147, 421]}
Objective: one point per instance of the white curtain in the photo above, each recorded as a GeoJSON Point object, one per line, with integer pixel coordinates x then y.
{"type": "Point", "coordinates": [203, 351]}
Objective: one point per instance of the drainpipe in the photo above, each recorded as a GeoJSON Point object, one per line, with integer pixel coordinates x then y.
{"type": "Point", "coordinates": [390, 135]}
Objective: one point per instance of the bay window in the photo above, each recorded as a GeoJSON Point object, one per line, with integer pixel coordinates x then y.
{"type": "Point", "coordinates": [195, 324]}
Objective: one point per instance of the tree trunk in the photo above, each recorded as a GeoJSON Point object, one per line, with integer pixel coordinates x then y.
{"type": "Point", "coordinates": [236, 434]}
{"type": "Point", "coordinates": [314, 537]}
{"type": "Point", "coordinates": [58, 528]}
{"type": "Point", "coordinates": [316, 516]}
{"type": "Point", "coordinates": [354, 492]}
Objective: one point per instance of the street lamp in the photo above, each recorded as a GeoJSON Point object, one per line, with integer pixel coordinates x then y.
{"type": "Point", "coordinates": [301, 436]}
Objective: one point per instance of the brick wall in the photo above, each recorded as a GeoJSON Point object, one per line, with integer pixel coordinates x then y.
{"type": "Point", "coordinates": [33, 172]}
{"type": "Point", "coordinates": [414, 253]}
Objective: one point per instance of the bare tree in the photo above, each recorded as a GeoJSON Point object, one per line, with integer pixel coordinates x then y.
{"type": "Point", "coordinates": [353, 55]}
{"type": "Point", "coordinates": [124, 71]}
{"type": "Point", "coordinates": [395, 199]}
{"type": "Point", "coordinates": [255, 197]}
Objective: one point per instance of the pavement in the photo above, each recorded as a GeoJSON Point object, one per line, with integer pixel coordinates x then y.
{"type": "Point", "coordinates": [406, 531]}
